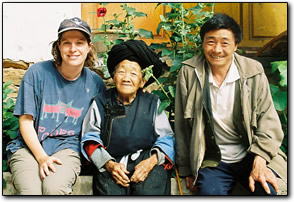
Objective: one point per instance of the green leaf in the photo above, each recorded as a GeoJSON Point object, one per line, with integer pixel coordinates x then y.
{"type": "Point", "coordinates": [145, 33]}
{"type": "Point", "coordinates": [6, 84]}
{"type": "Point", "coordinates": [280, 100]}
{"type": "Point", "coordinates": [275, 65]}
{"type": "Point", "coordinates": [166, 52]}
{"type": "Point", "coordinates": [274, 89]}
{"type": "Point", "coordinates": [172, 91]}
{"type": "Point", "coordinates": [159, 27]}
{"type": "Point", "coordinates": [162, 80]}
{"type": "Point", "coordinates": [9, 103]}
{"type": "Point", "coordinates": [163, 105]}
{"type": "Point", "coordinates": [122, 36]}
{"type": "Point", "coordinates": [162, 18]}
{"type": "Point", "coordinates": [173, 15]}
{"type": "Point", "coordinates": [5, 165]}
{"type": "Point", "coordinates": [130, 10]}
{"type": "Point", "coordinates": [148, 72]}
{"type": "Point", "coordinates": [167, 26]}
{"type": "Point", "coordinates": [176, 64]}
{"type": "Point", "coordinates": [103, 27]}
{"type": "Point", "coordinates": [158, 45]}
{"type": "Point", "coordinates": [177, 38]}
{"type": "Point", "coordinates": [283, 74]}
{"type": "Point", "coordinates": [118, 41]}
{"type": "Point", "coordinates": [12, 134]}
{"type": "Point", "coordinates": [140, 14]}
{"type": "Point", "coordinates": [282, 67]}
{"type": "Point", "coordinates": [160, 94]}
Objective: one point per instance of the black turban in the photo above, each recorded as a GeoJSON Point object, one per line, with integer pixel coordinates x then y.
{"type": "Point", "coordinates": [136, 51]}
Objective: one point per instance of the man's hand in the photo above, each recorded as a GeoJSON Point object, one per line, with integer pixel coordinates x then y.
{"type": "Point", "coordinates": [189, 183]}
{"type": "Point", "coordinates": [143, 168]}
{"type": "Point", "coordinates": [262, 174]}
{"type": "Point", "coordinates": [118, 172]}
{"type": "Point", "coordinates": [47, 163]}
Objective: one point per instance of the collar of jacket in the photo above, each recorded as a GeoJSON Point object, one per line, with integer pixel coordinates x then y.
{"type": "Point", "coordinates": [244, 65]}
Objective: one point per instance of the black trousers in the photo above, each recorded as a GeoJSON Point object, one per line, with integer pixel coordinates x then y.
{"type": "Point", "coordinates": [157, 183]}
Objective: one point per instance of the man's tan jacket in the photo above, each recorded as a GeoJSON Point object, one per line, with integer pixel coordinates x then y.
{"type": "Point", "coordinates": [260, 119]}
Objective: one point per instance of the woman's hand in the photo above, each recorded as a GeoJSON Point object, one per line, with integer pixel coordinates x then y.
{"type": "Point", "coordinates": [26, 126]}
{"type": "Point", "coordinates": [46, 163]}
{"type": "Point", "coordinates": [118, 172]}
{"type": "Point", "coordinates": [143, 168]}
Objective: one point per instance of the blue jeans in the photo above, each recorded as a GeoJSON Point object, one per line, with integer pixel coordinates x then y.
{"type": "Point", "coordinates": [220, 180]}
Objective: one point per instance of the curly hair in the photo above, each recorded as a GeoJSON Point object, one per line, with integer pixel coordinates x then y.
{"type": "Point", "coordinates": [57, 59]}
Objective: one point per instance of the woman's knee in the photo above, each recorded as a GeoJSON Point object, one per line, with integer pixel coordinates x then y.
{"type": "Point", "coordinates": [158, 182]}
{"type": "Point", "coordinates": [56, 186]}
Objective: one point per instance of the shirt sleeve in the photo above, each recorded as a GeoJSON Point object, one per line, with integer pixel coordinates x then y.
{"type": "Point", "coordinates": [165, 141]}
{"type": "Point", "coordinates": [100, 157]}
{"type": "Point", "coordinates": [91, 128]}
{"type": "Point", "coordinates": [27, 97]}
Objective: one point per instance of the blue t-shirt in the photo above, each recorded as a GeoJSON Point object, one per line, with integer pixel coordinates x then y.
{"type": "Point", "coordinates": [58, 106]}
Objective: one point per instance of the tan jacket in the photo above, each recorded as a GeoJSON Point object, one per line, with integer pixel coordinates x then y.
{"type": "Point", "coordinates": [261, 120]}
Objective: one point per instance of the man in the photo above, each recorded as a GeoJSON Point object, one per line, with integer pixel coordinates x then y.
{"type": "Point", "coordinates": [226, 126]}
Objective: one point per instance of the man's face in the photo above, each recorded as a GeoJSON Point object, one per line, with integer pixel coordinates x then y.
{"type": "Point", "coordinates": [219, 46]}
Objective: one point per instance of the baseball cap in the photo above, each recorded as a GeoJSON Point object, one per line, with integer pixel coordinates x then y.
{"type": "Point", "coordinates": [74, 24]}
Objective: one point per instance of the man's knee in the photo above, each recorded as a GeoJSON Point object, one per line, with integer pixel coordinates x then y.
{"type": "Point", "coordinates": [211, 189]}
{"type": "Point", "coordinates": [259, 190]}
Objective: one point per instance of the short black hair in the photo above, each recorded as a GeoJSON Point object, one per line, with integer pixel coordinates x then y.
{"type": "Point", "coordinates": [222, 21]}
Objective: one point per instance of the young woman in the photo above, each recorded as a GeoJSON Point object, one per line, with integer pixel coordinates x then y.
{"type": "Point", "coordinates": [53, 99]}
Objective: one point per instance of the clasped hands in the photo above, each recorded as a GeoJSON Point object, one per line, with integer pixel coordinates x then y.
{"type": "Point", "coordinates": [119, 171]}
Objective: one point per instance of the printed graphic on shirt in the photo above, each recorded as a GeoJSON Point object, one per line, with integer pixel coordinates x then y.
{"type": "Point", "coordinates": [56, 132]}
{"type": "Point", "coordinates": [61, 108]}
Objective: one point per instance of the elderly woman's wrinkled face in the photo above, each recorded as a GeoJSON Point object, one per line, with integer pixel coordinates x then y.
{"type": "Point", "coordinates": [128, 78]}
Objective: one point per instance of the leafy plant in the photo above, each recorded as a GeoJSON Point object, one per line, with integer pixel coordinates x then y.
{"type": "Point", "coordinates": [279, 95]}
{"type": "Point", "coordinates": [180, 24]}
{"type": "Point", "coordinates": [10, 123]}
{"type": "Point", "coordinates": [123, 29]}
{"type": "Point", "coordinates": [182, 27]}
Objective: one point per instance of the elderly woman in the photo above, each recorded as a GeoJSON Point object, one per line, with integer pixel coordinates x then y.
{"type": "Point", "coordinates": [130, 143]}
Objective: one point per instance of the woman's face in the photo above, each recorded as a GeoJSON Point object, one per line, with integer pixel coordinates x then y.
{"type": "Point", "coordinates": [128, 78]}
{"type": "Point", "coordinates": [74, 48]}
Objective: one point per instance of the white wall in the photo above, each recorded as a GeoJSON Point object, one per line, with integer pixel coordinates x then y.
{"type": "Point", "coordinates": [28, 28]}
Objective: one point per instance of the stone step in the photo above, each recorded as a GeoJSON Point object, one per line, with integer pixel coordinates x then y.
{"type": "Point", "coordinates": [83, 186]}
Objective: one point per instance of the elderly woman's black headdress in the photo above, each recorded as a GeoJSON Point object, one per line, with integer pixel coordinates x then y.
{"type": "Point", "coordinates": [137, 51]}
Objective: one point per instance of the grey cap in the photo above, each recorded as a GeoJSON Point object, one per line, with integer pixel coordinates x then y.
{"type": "Point", "coordinates": [74, 24]}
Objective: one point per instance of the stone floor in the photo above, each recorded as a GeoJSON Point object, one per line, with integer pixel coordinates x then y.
{"type": "Point", "coordinates": [83, 186]}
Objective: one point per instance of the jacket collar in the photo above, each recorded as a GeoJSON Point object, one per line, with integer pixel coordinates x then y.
{"type": "Point", "coordinates": [244, 65]}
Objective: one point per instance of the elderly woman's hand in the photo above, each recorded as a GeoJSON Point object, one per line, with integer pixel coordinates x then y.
{"type": "Point", "coordinates": [143, 168]}
{"type": "Point", "coordinates": [118, 172]}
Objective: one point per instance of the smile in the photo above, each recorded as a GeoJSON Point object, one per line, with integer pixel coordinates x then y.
{"type": "Point", "coordinates": [73, 56]}
{"type": "Point", "coordinates": [216, 57]}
